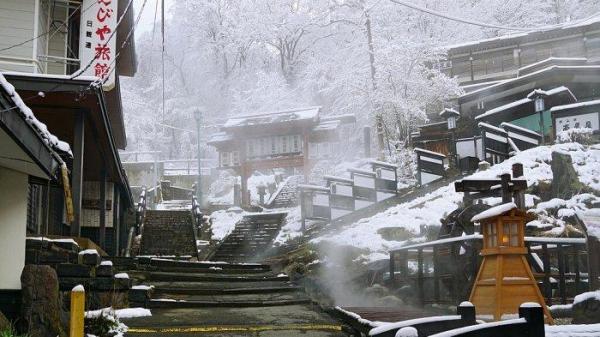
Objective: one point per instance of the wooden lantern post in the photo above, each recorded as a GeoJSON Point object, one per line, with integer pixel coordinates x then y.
{"type": "Point", "coordinates": [504, 280]}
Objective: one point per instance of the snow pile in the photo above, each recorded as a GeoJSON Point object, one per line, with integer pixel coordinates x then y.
{"type": "Point", "coordinates": [429, 209]}
{"type": "Point", "coordinates": [586, 296]}
{"type": "Point", "coordinates": [122, 275]}
{"type": "Point", "coordinates": [89, 252]}
{"type": "Point", "coordinates": [119, 313]}
{"type": "Point", "coordinates": [575, 330]}
{"type": "Point", "coordinates": [42, 129]}
{"type": "Point", "coordinates": [292, 227]}
{"type": "Point", "coordinates": [553, 214]}
{"type": "Point", "coordinates": [106, 263]}
{"type": "Point", "coordinates": [223, 222]}
{"type": "Point", "coordinates": [574, 135]}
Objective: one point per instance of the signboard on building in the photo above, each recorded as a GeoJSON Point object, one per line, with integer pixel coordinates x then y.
{"type": "Point", "coordinates": [97, 49]}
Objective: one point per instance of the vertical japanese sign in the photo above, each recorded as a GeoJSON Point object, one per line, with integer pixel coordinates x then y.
{"type": "Point", "coordinates": [98, 21]}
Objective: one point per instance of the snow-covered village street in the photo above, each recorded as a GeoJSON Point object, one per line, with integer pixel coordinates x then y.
{"type": "Point", "coordinates": [340, 168]}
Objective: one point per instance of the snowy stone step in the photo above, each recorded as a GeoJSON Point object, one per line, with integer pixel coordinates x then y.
{"type": "Point", "coordinates": [194, 289]}
{"type": "Point", "coordinates": [170, 303]}
{"type": "Point", "coordinates": [149, 277]}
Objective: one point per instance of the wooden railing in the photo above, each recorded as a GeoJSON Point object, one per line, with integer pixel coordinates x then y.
{"type": "Point", "coordinates": [443, 271]}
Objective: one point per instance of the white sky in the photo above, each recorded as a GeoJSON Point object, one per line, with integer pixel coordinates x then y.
{"type": "Point", "coordinates": [146, 21]}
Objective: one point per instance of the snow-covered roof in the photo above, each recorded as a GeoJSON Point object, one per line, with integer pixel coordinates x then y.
{"type": "Point", "coordinates": [417, 149]}
{"type": "Point", "coordinates": [382, 163]}
{"type": "Point", "coordinates": [328, 125]}
{"type": "Point", "coordinates": [522, 129]}
{"type": "Point", "coordinates": [491, 127]}
{"type": "Point", "coordinates": [313, 187]}
{"type": "Point", "coordinates": [526, 68]}
{"type": "Point", "coordinates": [309, 113]}
{"type": "Point", "coordinates": [494, 211]}
{"type": "Point", "coordinates": [528, 99]}
{"type": "Point", "coordinates": [340, 179]}
{"type": "Point", "coordinates": [449, 111]}
{"type": "Point", "coordinates": [529, 75]}
{"type": "Point", "coordinates": [575, 105]}
{"type": "Point", "coordinates": [219, 137]}
{"type": "Point", "coordinates": [563, 26]}
{"type": "Point", "coordinates": [38, 126]}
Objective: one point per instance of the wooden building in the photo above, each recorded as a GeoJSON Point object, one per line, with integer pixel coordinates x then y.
{"type": "Point", "coordinates": [479, 63]}
{"type": "Point", "coordinates": [62, 85]}
{"type": "Point", "coordinates": [282, 139]}
{"type": "Point", "coordinates": [27, 154]}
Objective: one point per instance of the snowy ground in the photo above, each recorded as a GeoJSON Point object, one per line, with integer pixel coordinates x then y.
{"type": "Point", "coordinates": [223, 222]}
{"type": "Point", "coordinates": [429, 209]}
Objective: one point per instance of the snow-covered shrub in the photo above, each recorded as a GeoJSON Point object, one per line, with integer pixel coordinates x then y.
{"type": "Point", "coordinates": [104, 323]}
{"type": "Point", "coordinates": [579, 135]}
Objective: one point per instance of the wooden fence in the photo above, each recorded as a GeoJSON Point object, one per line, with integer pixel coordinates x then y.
{"type": "Point", "coordinates": [341, 196]}
{"type": "Point", "coordinates": [443, 271]}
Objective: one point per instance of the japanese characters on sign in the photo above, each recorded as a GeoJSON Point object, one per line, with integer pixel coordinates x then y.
{"type": "Point", "coordinates": [98, 21]}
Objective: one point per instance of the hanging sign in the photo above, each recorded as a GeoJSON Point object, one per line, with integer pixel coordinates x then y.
{"type": "Point", "coordinates": [98, 22]}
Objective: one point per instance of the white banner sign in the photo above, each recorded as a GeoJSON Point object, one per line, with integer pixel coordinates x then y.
{"type": "Point", "coordinates": [98, 22]}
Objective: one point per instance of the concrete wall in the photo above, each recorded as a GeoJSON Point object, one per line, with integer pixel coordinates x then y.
{"type": "Point", "coordinates": [13, 219]}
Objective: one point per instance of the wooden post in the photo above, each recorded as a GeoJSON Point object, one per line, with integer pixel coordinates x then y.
{"type": "Point", "coordinates": [504, 182]}
{"type": "Point", "coordinates": [306, 155]}
{"type": "Point", "coordinates": [244, 188]}
{"type": "Point", "coordinates": [237, 195]}
{"type": "Point", "coordinates": [593, 245]}
{"type": "Point", "coordinates": [102, 222]}
{"type": "Point", "coordinates": [547, 284]}
{"type": "Point", "coordinates": [561, 274]}
{"type": "Point", "coordinates": [367, 141]}
{"type": "Point", "coordinates": [392, 269]}
{"type": "Point", "coordinates": [420, 279]}
{"type": "Point", "coordinates": [436, 276]}
{"type": "Point", "coordinates": [116, 209]}
{"type": "Point", "coordinates": [77, 173]}
{"type": "Point", "coordinates": [77, 311]}
{"type": "Point", "coordinates": [576, 266]}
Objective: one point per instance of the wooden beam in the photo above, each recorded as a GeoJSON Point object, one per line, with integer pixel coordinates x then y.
{"type": "Point", "coordinates": [102, 222]}
{"type": "Point", "coordinates": [77, 173]}
{"type": "Point", "coordinates": [116, 219]}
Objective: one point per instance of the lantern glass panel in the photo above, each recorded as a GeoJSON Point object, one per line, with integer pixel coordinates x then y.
{"type": "Point", "coordinates": [539, 104]}
{"type": "Point", "coordinates": [451, 122]}
{"type": "Point", "coordinates": [492, 235]}
{"type": "Point", "coordinates": [514, 235]}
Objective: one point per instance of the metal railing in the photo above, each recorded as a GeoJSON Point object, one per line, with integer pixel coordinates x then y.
{"type": "Point", "coordinates": [140, 216]}
{"type": "Point", "coordinates": [443, 271]}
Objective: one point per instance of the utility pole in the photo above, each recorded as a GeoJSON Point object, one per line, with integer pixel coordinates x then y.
{"type": "Point", "coordinates": [198, 116]}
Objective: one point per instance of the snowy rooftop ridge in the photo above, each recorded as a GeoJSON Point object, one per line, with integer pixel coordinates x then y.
{"type": "Point", "coordinates": [575, 105]}
{"type": "Point", "coordinates": [522, 129]}
{"type": "Point", "coordinates": [528, 75]}
{"type": "Point", "coordinates": [262, 118]}
{"type": "Point", "coordinates": [566, 25]}
{"type": "Point", "coordinates": [550, 59]}
{"type": "Point", "coordinates": [51, 140]}
{"type": "Point", "coordinates": [526, 100]}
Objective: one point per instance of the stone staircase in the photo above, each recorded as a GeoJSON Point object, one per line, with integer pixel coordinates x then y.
{"type": "Point", "coordinates": [182, 284]}
{"type": "Point", "coordinates": [252, 235]}
{"type": "Point", "coordinates": [168, 233]}
{"type": "Point", "coordinates": [224, 299]}
{"type": "Point", "coordinates": [287, 195]}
